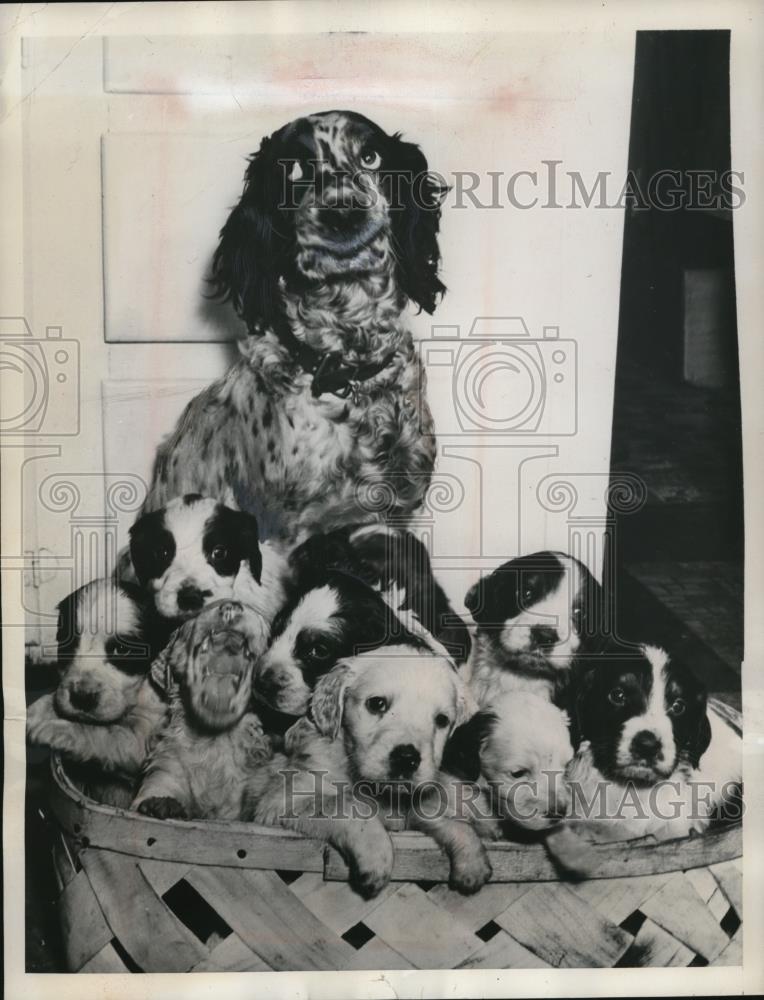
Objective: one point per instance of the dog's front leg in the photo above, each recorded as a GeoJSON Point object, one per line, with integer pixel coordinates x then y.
{"type": "Point", "coordinates": [319, 808]}
{"type": "Point", "coordinates": [114, 747]}
{"type": "Point", "coordinates": [446, 818]}
{"type": "Point", "coordinates": [165, 791]}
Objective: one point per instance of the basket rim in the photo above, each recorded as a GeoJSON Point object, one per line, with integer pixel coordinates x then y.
{"type": "Point", "coordinates": [90, 824]}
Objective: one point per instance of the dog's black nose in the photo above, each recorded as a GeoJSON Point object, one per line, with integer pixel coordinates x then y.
{"type": "Point", "coordinates": [646, 745]}
{"type": "Point", "coordinates": [544, 635]}
{"type": "Point", "coordinates": [267, 684]}
{"type": "Point", "coordinates": [190, 598]}
{"type": "Point", "coordinates": [404, 760]}
{"type": "Point", "coordinates": [340, 219]}
{"type": "Point", "coordinates": [83, 699]}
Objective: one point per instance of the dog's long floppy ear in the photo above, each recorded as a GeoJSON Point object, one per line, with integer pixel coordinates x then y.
{"type": "Point", "coordinates": [248, 532]}
{"type": "Point", "coordinates": [483, 599]}
{"type": "Point", "coordinates": [256, 241]}
{"type": "Point", "coordinates": [415, 198]}
{"type": "Point", "coordinates": [328, 701]}
{"type": "Point", "coordinates": [461, 756]}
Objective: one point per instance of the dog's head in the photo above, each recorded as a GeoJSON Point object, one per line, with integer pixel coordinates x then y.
{"type": "Point", "coordinates": [328, 195]}
{"type": "Point", "coordinates": [394, 709]}
{"type": "Point", "coordinates": [106, 640]}
{"type": "Point", "coordinates": [190, 553]}
{"type": "Point", "coordinates": [537, 609]}
{"type": "Point", "coordinates": [642, 715]}
{"type": "Point", "coordinates": [211, 659]}
{"type": "Point", "coordinates": [334, 619]}
{"type": "Point", "coordinates": [521, 747]}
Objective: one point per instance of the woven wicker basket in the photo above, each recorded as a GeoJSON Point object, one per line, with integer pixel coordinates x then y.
{"type": "Point", "coordinates": [139, 894]}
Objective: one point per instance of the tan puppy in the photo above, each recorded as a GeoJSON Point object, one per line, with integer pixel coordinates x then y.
{"type": "Point", "coordinates": [212, 745]}
{"type": "Point", "coordinates": [381, 717]}
{"type": "Point", "coordinates": [106, 711]}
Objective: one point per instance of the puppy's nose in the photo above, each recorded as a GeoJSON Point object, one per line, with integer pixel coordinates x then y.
{"type": "Point", "coordinates": [267, 684]}
{"type": "Point", "coordinates": [646, 745]}
{"type": "Point", "coordinates": [544, 635]}
{"type": "Point", "coordinates": [83, 699]}
{"type": "Point", "coordinates": [230, 611]}
{"type": "Point", "coordinates": [341, 219]}
{"type": "Point", "coordinates": [404, 760]}
{"type": "Point", "coordinates": [190, 598]}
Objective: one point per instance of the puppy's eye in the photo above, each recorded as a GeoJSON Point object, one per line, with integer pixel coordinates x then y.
{"type": "Point", "coordinates": [676, 707]}
{"type": "Point", "coordinates": [519, 772]}
{"type": "Point", "coordinates": [527, 595]}
{"type": "Point", "coordinates": [442, 720]}
{"type": "Point", "coordinates": [371, 159]}
{"type": "Point", "coordinates": [377, 705]}
{"type": "Point", "coordinates": [617, 697]}
{"type": "Point", "coordinates": [577, 615]}
{"type": "Point", "coordinates": [121, 651]}
{"type": "Point", "coordinates": [319, 651]}
{"type": "Point", "coordinates": [163, 553]}
{"type": "Point", "coordinates": [219, 553]}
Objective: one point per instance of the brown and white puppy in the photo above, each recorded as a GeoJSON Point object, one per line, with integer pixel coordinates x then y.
{"type": "Point", "coordinates": [212, 744]}
{"type": "Point", "coordinates": [532, 614]}
{"type": "Point", "coordinates": [105, 711]}
{"type": "Point", "coordinates": [334, 234]}
{"type": "Point", "coordinates": [652, 757]}
{"type": "Point", "coordinates": [377, 719]}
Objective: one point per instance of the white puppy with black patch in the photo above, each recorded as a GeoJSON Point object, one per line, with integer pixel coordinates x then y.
{"type": "Point", "coordinates": [105, 711]}
{"type": "Point", "coordinates": [532, 614]}
{"type": "Point", "coordinates": [196, 550]}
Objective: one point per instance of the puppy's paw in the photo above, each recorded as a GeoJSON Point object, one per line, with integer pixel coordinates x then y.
{"type": "Point", "coordinates": [162, 807]}
{"type": "Point", "coordinates": [470, 870]}
{"type": "Point", "coordinates": [39, 714]}
{"type": "Point", "coordinates": [370, 870]}
{"type": "Point", "coordinates": [59, 734]}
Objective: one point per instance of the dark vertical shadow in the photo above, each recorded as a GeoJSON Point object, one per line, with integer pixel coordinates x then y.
{"type": "Point", "coordinates": [677, 562]}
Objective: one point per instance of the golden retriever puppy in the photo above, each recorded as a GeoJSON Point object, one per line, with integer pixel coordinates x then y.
{"type": "Point", "coordinates": [212, 744]}
{"type": "Point", "coordinates": [105, 711]}
{"type": "Point", "coordinates": [378, 723]}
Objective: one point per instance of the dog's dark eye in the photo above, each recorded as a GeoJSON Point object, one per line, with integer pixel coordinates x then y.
{"type": "Point", "coordinates": [164, 553]}
{"type": "Point", "coordinates": [120, 651]}
{"type": "Point", "coordinates": [677, 707]}
{"type": "Point", "coordinates": [319, 651]}
{"type": "Point", "coordinates": [519, 772]}
{"type": "Point", "coordinates": [442, 720]}
{"type": "Point", "coordinates": [617, 697]}
{"type": "Point", "coordinates": [527, 595]}
{"type": "Point", "coordinates": [219, 553]}
{"type": "Point", "coordinates": [371, 159]}
{"type": "Point", "coordinates": [577, 616]}
{"type": "Point", "coordinates": [377, 705]}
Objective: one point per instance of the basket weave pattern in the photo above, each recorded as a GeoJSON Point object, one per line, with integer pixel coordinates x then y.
{"type": "Point", "coordinates": [279, 903]}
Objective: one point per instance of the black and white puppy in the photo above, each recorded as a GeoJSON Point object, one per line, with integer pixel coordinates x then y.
{"type": "Point", "coordinates": [532, 614]}
{"type": "Point", "coordinates": [389, 560]}
{"type": "Point", "coordinates": [196, 550]}
{"type": "Point", "coordinates": [337, 617]}
{"type": "Point", "coordinates": [641, 720]}
{"type": "Point", "coordinates": [105, 711]}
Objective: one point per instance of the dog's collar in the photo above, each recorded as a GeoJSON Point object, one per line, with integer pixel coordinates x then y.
{"type": "Point", "coordinates": [331, 373]}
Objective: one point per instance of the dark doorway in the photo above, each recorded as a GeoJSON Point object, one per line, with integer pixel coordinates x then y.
{"type": "Point", "coordinates": [678, 561]}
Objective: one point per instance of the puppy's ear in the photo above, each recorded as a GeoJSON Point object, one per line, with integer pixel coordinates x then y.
{"type": "Point", "coordinates": [255, 242]}
{"type": "Point", "coordinates": [248, 531]}
{"type": "Point", "coordinates": [483, 599]}
{"type": "Point", "coordinates": [415, 199]}
{"type": "Point", "coordinates": [461, 756]}
{"type": "Point", "coordinates": [328, 701]}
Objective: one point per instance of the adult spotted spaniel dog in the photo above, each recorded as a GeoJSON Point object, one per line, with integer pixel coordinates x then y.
{"type": "Point", "coordinates": [335, 232]}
